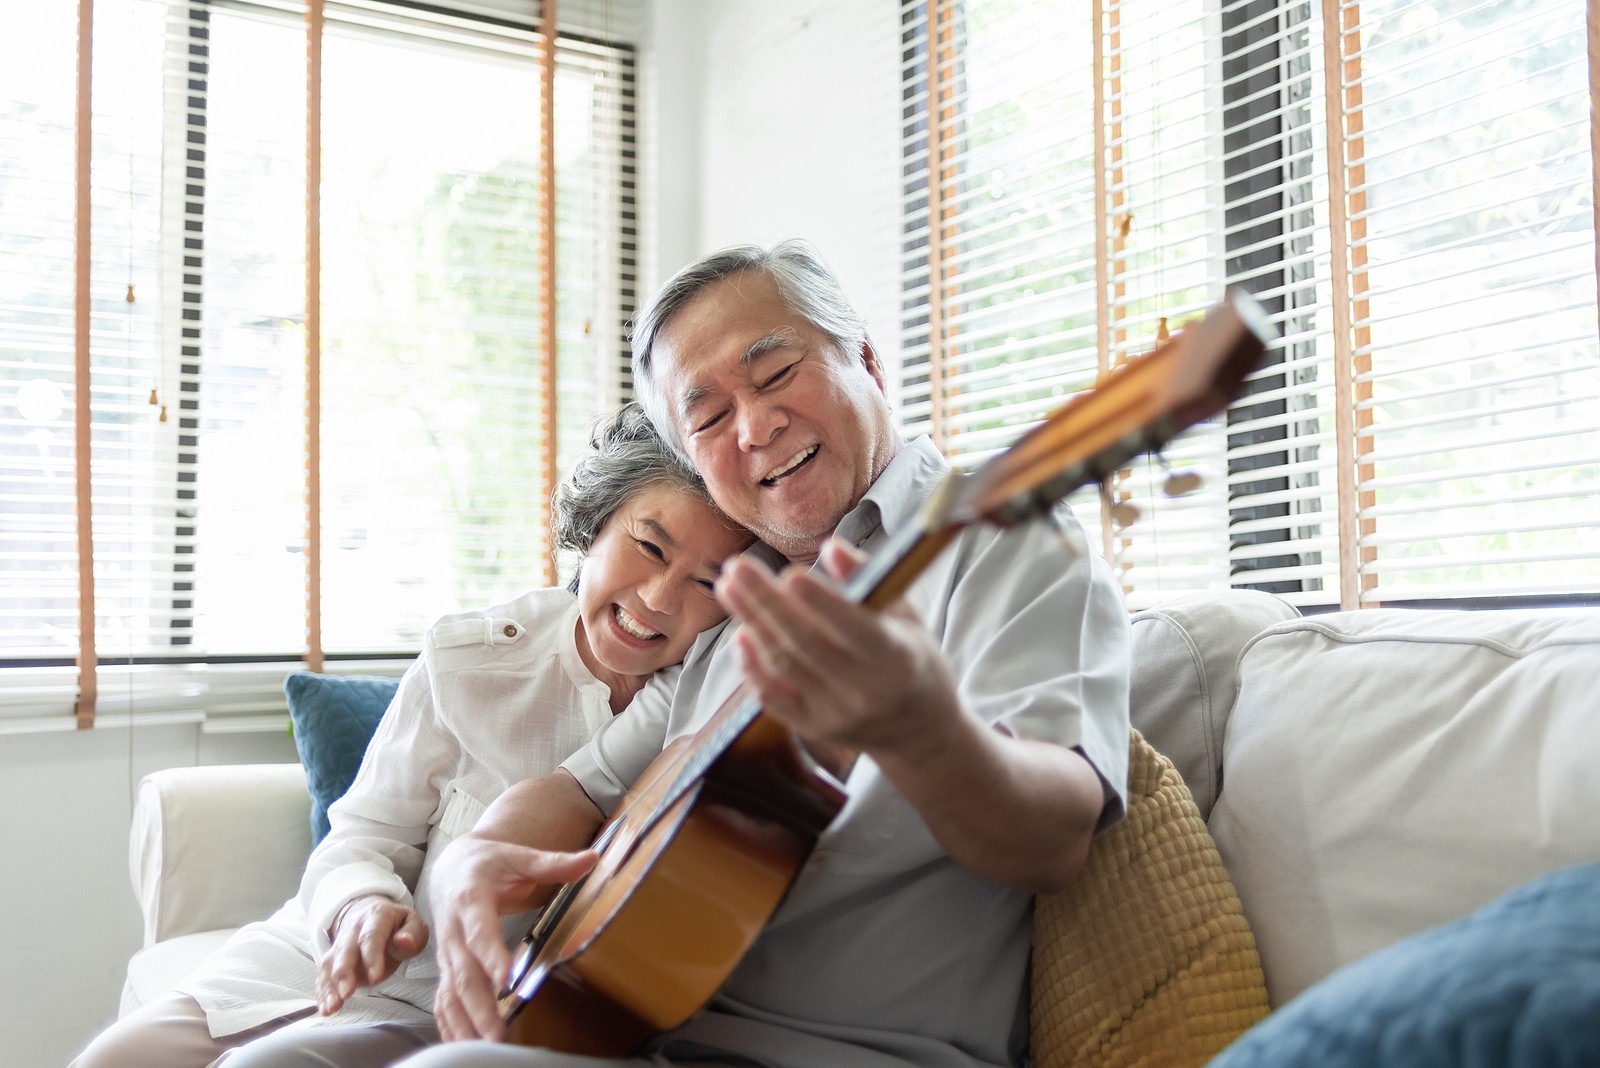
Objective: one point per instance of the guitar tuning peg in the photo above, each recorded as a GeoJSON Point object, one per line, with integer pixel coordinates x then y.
{"type": "Point", "coordinates": [1182, 483]}
{"type": "Point", "coordinates": [1124, 513]}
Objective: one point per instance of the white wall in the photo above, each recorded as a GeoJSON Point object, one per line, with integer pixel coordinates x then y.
{"type": "Point", "coordinates": [772, 119]}
{"type": "Point", "coordinates": [798, 132]}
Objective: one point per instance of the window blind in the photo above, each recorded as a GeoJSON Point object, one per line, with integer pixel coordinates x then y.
{"type": "Point", "coordinates": [36, 287]}
{"type": "Point", "coordinates": [1000, 257]}
{"type": "Point", "coordinates": [1407, 189]}
{"type": "Point", "coordinates": [1472, 267]}
{"type": "Point", "coordinates": [435, 448]}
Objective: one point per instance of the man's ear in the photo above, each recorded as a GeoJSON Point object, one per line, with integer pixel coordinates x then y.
{"type": "Point", "coordinates": [869, 356]}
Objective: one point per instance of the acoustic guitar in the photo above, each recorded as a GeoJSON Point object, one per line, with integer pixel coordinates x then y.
{"type": "Point", "coordinates": [703, 849]}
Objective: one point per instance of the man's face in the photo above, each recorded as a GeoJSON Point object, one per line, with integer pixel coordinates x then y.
{"type": "Point", "coordinates": [787, 431]}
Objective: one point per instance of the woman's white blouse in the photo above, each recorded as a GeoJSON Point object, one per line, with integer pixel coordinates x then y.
{"type": "Point", "coordinates": [495, 697]}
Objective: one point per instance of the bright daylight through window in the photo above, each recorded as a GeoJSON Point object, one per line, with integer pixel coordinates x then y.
{"type": "Point", "coordinates": [432, 437]}
{"type": "Point", "coordinates": [1406, 185]}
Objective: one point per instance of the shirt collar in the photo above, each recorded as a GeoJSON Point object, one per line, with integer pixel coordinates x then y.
{"type": "Point", "coordinates": [889, 503]}
{"type": "Point", "coordinates": [897, 496]}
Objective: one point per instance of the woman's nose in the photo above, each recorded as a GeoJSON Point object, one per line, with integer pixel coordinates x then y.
{"type": "Point", "coordinates": [656, 593]}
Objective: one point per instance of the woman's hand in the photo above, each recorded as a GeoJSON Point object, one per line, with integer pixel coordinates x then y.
{"type": "Point", "coordinates": [371, 937]}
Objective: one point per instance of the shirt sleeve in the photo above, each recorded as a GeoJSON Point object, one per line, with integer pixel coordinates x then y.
{"type": "Point", "coordinates": [379, 829]}
{"type": "Point", "coordinates": [621, 749]}
{"type": "Point", "coordinates": [1037, 632]}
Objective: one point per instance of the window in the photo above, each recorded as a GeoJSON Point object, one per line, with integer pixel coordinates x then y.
{"type": "Point", "coordinates": [1406, 187]}
{"type": "Point", "coordinates": [435, 443]}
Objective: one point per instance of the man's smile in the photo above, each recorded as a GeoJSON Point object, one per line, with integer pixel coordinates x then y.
{"type": "Point", "coordinates": [794, 463]}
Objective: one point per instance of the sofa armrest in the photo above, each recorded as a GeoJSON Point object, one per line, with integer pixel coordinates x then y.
{"type": "Point", "coordinates": [217, 847]}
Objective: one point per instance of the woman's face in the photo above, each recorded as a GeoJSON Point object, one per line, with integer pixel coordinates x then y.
{"type": "Point", "coordinates": [644, 590]}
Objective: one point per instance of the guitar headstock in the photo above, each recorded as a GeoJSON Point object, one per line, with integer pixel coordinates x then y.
{"type": "Point", "coordinates": [1134, 409]}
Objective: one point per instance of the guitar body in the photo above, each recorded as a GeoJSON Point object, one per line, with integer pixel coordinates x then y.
{"type": "Point", "coordinates": [679, 895]}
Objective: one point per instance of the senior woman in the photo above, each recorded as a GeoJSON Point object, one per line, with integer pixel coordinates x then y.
{"type": "Point", "coordinates": [341, 974]}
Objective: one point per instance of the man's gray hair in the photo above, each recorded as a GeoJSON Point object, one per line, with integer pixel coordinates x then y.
{"type": "Point", "coordinates": [626, 455]}
{"type": "Point", "coordinates": [804, 281]}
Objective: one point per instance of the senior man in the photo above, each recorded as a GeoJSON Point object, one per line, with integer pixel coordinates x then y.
{"type": "Point", "coordinates": [981, 725]}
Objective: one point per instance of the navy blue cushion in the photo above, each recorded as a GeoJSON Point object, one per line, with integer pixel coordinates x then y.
{"type": "Point", "coordinates": [1514, 985]}
{"type": "Point", "coordinates": [334, 717]}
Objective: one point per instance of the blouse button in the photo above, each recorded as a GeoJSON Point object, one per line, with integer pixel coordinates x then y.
{"type": "Point", "coordinates": [510, 630]}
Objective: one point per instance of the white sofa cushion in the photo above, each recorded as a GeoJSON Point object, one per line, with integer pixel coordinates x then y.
{"type": "Point", "coordinates": [155, 970]}
{"type": "Point", "coordinates": [1391, 770]}
{"type": "Point", "coordinates": [216, 847]}
{"type": "Point", "coordinates": [1184, 658]}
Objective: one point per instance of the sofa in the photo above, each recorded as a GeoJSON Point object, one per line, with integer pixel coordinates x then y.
{"type": "Point", "coordinates": [1366, 776]}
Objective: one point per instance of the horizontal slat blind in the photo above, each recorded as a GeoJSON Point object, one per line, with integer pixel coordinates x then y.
{"type": "Point", "coordinates": [1013, 179]}
{"type": "Point", "coordinates": [597, 233]}
{"type": "Point", "coordinates": [1480, 364]}
{"type": "Point", "coordinates": [136, 469]}
{"type": "Point", "coordinates": [431, 440]}
{"type": "Point", "coordinates": [250, 277]}
{"type": "Point", "coordinates": [38, 616]}
{"type": "Point", "coordinates": [1428, 256]}
{"type": "Point", "coordinates": [430, 344]}
{"type": "Point", "coordinates": [1160, 116]}
{"type": "Point", "coordinates": [1213, 163]}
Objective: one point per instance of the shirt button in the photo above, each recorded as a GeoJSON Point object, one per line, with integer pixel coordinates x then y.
{"type": "Point", "coordinates": [510, 630]}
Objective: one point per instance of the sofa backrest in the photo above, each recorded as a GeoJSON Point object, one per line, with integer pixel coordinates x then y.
{"type": "Point", "coordinates": [215, 847]}
{"type": "Point", "coordinates": [1184, 679]}
{"type": "Point", "coordinates": [1390, 770]}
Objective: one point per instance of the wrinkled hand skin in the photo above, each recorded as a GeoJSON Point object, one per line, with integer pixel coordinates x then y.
{"type": "Point", "coordinates": [850, 680]}
{"type": "Point", "coordinates": [371, 938]}
{"type": "Point", "coordinates": [832, 670]}
{"type": "Point", "coordinates": [476, 881]}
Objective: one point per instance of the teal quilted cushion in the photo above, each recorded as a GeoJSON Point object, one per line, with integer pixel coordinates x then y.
{"type": "Point", "coordinates": [1514, 985]}
{"type": "Point", "coordinates": [334, 717]}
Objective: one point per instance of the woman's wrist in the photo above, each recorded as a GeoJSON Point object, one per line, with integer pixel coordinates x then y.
{"type": "Point", "coordinates": [338, 917]}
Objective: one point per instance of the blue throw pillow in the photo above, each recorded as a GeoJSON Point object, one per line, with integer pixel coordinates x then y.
{"type": "Point", "coordinates": [1514, 985]}
{"type": "Point", "coordinates": [334, 717]}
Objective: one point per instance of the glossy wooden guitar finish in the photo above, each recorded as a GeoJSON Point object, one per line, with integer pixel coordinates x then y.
{"type": "Point", "coordinates": [686, 880]}
{"type": "Point", "coordinates": [706, 845]}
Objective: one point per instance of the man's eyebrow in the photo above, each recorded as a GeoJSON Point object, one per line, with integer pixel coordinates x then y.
{"type": "Point", "coordinates": [661, 532]}
{"type": "Point", "coordinates": [690, 398]}
{"type": "Point", "coordinates": [779, 338]}
{"type": "Point", "coordinates": [782, 337]}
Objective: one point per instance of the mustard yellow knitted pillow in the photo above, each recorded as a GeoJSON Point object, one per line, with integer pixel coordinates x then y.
{"type": "Point", "coordinates": [1146, 959]}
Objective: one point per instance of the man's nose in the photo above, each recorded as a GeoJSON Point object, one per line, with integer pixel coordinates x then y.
{"type": "Point", "coordinates": [759, 423]}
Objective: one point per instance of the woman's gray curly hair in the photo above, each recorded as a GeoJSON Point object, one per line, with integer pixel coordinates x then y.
{"type": "Point", "coordinates": [626, 455]}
